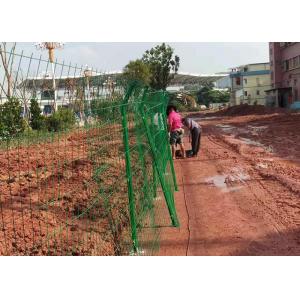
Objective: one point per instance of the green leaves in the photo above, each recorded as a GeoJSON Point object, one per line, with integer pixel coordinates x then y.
{"type": "Point", "coordinates": [37, 121]}
{"type": "Point", "coordinates": [208, 95]}
{"type": "Point", "coordinates": [137, 70]}
{"type": "Point", "coordinates": [60, 120]}
{"type": "Point", "coordinates": [11, 121]}
{"type": "Point", "coordinates": [161, 63]}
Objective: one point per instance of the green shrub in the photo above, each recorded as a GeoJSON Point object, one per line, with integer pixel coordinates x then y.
{"type": "Point", "coordinates": [37, 120]}
{"type": "Point", "coordinates": [11, 121]}
{"type": "Point", "coordinates": [105, 109]}
{"type": "Point", "coordinates": [62, 119]}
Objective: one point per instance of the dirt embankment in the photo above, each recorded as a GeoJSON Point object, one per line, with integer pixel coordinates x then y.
{"type": "Point", "coordinates": [245, 109]}
{"type": "Point", "coordinates": [56, 196]}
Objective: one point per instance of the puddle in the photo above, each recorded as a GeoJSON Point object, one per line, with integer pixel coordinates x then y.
{"type": "Point", "coordinates": [257, 144]}
{"type": "Point", "coordinates": [258, 128]}
{"type": "Point", "coordinates": [251, 142]}
{"type": "Point", "coordinates": [226, 128]}
{"type": "Point", "coordinates": [209, 118]}
{"type": "Point", "coordinates": [198, 119]}
{"type": "Point", "coordinates": [222, 181]}
{"type": "Point", "coordinates": [218, 181]}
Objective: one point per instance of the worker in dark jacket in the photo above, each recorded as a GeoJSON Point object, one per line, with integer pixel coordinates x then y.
{"type": "Point", "coordinates": [195, 132]}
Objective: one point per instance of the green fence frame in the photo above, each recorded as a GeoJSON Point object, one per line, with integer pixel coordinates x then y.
{"type": "Point", "coordinates": [158, 163]}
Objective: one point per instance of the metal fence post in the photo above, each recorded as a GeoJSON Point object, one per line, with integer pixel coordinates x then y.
{"type": "Point", "coordinates": [131, 200]}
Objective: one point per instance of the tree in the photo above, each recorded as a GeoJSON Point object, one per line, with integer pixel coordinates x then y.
{"type": "Point", "coordinates": [163, 65]}
{"type": "Point", "coordinates": [202, 95]}
{"type": "Point", "coordinates": [207, 95]}
{"type": "Point", "coordinates": [60, 120]}
{"type": "Point", "coordinates": [7, 61]}
{"type": "Point", "coordinates": [137, 70]}
{"type": "Point", "coordinates": [11, 121]}
{"type": "Point", "coordinates": [23, 93]}
{"type": "Point", "coordinates": [37, 121]}
{"type": "Point", "coordinates": [70, 84]}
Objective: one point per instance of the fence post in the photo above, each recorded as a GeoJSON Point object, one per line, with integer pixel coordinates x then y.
{"type": "Point", "coordinates": [132, 214]}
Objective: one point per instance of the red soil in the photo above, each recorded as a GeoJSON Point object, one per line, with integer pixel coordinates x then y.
{"type": "Point", "coordinates": [49, 202]}
{"type": "Point", "coordinates": [241, 196]}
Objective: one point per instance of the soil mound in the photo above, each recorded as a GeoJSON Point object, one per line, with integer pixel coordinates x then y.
{"type": "Point", "coordinates": [245, 109]}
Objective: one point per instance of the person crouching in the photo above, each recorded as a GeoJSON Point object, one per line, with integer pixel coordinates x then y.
{"type": "Point", "coordinates": [195, 132]}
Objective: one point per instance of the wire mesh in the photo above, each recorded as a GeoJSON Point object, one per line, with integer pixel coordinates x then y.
{"type": "Point", "coordinates": [102, 186]}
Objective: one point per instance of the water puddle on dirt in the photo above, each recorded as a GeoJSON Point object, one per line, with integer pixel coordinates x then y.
{"type": "Point", "coordinates": [199, 119]}
{"type": "Point", "coordinates": [257, 144]}
{"type": "Point", "coordinates": [224, 181]}
{"type": "Point", "coordinates": [226, 128]}
{"type": "Point", "coordinates": [218, 181]}
{"type": "Point", "coordinates": [255, 130]}
{"type": "Point", "coordinates": [251, 142]}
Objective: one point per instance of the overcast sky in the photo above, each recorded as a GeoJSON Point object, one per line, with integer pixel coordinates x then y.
{"type": "Point", "coordinates": [199, 58]}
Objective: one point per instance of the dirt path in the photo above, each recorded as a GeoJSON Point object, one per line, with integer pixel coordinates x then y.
{"type": "Point", "coordinates": [237, 198]}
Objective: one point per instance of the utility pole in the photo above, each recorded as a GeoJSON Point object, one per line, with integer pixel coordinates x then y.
{"type": "Point", "coordinates": [51, 46]}
{"type": "Point", "coordinates": [87, 74]}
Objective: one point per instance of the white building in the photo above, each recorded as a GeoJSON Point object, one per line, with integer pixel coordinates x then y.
{"type": "Point", "coordinates": [249, 84]}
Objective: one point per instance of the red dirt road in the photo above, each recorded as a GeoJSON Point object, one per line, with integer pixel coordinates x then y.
{"type": "Point", "coordinates": [241, 196]}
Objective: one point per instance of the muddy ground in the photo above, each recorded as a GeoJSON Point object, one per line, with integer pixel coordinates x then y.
{"type": "Point", "coordinates": [241, 196]}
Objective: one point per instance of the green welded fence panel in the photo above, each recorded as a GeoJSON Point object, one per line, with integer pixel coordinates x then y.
{"type": "Point", "coordinates": [97, 178]}
{"type": "Point", "coordinates": [152, 177]}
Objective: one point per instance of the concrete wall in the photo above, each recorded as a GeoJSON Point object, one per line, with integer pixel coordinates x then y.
{"type": "Point", "coordinates": [281, 78]}
{"type": "Point", "coordinates": [254, 81]}
{"type": "Point", "coordinates": [258, 67]}
{"type": "Point", "coordinates": [255, 86]}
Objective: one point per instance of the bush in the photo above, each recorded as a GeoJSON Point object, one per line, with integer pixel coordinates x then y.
{"type": "Point", "coordinates": [11, 121]}
{"type": "Point", "coordinates": [105, 109]}
{"type": "Point", "coordinates": [62, 119]}
{"type": "Point", "coordinates": [183, 108]}
{"type": "Point", "coordinates": [37, 120]}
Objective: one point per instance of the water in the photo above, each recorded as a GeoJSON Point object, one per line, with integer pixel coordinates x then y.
{"type": "Point", "coordinates": [220, 180]}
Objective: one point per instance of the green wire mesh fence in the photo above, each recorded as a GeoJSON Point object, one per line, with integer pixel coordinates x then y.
{"type": "Point", "coordinates": [103, 185]}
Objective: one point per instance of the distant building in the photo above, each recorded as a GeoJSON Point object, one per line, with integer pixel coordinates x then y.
{"type": "Point", "coordinates": [174, 89]}
{"type": "Point", "coordinates": [223, 83]}
{"type": "Point", "coordinates": [194, 81]}
{"type": "Point", "coordinates": [285, 74]}
{"type": "Point", "coordinates": [69, 89]}
{"type": "Point", "coordinates": [249, 84]}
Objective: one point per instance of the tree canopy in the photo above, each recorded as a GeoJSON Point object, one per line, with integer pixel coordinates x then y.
{"type": "Point", "coordinates": [207, 95]}
{"type": "Point", "coordinates": [137, 70]}
{"type": "Point", "coordinates": [163, 64]}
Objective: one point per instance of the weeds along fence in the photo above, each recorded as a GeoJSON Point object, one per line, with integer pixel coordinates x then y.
{"type": "Point", "coordinates": [100, 185]}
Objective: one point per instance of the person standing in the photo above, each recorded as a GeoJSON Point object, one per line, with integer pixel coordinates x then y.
{"type": "Point", "coordinates": [195, 132]}
{"type": "Point", "coordinates": [175, 130]}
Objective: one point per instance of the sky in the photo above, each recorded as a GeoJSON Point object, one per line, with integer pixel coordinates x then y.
{"type": "Point", "coordinates": [195, 58]}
